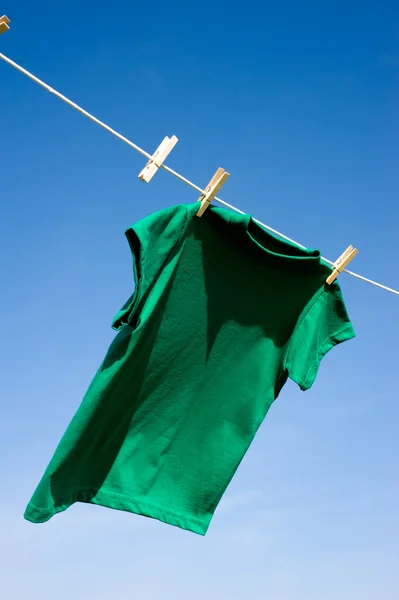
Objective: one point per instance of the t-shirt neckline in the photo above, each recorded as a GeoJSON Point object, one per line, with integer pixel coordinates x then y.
{"type": "Point", "coordinates": [289, 253]}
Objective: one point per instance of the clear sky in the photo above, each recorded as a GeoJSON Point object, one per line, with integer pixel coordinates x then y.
{"type": "Point", "coordinates": [299, 102]}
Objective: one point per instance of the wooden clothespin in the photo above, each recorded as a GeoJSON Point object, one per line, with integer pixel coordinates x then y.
{"type": "Point", "coordinates": [212, 189]}
{"type": "Point", "coordinates": [4, 21]}
{"type": "Point", "coordinates": [341, 263]}
{"type": "Point", "coordinates": [158, 158]}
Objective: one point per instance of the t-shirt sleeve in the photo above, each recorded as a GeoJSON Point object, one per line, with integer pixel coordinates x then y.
{"type": "Point", "coordinates": [324, 324]}
{"type": "Point", "coordinates": [152, 241]}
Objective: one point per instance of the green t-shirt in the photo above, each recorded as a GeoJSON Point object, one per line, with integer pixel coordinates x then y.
{"type": "Point", "coordinates": [222, 314]}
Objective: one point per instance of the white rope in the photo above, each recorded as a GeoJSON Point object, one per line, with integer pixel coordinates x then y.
{"type": "Point", "coordinates": [169, 170]}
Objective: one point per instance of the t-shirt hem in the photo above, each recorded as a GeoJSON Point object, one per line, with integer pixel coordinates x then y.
{"type": "Point", "coordinates": [35, 514]}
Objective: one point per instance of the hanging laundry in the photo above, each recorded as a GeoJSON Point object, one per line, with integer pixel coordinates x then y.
{"type": "Point", "coordinates": [223, 312]}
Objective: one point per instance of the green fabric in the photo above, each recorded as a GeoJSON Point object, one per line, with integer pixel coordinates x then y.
{"type": "Point", "coordinates": [222, 314]}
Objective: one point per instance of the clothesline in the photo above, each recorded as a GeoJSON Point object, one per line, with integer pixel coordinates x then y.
{"type": "Point", "coordinates": [169, 170]}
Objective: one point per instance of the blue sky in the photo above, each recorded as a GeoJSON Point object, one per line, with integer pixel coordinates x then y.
{"type": "Point", "coordinates": [299, 102]}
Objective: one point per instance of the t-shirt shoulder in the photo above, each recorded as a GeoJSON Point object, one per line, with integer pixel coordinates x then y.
{"type": "Point", "coordinates": [324, 323]}
{"type": "Point", "coordinates": [168, 219]}
{"type": "Point", "coordinates": [151, 241]}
